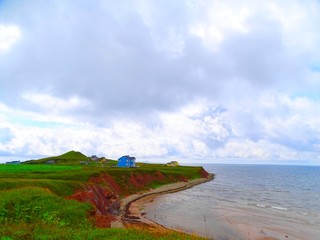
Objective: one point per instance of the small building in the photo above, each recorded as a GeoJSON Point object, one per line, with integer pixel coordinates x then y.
{"type": "Point", "coordinates": [103, 161]}
{"type": "Point", "coordinates": [13, 162]}
{"type": "Point", "coordinates": [50, 162]}
{"type": "Point", "coordinates": [173, 164]}
{"type": "Point", "coordinates": [84, 162]}
{"type": "Point", "coordinates": [94, 158]}
{"type": "Point", "coordinates": [127, 161]}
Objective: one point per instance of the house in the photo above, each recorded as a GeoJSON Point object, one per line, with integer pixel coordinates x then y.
{"type": "Point", "coordinates": [127, 161]}
{"type": "Point", "coordinates": [94, 158]}
{"type": "Point", "coordinates": [84, 162]}
{"type": "Point", "coordinates": [13, 162]}
{"type": "Point", "coordinates": [173, 164]}
{"type": "Point", "coordinates": [103, 161]}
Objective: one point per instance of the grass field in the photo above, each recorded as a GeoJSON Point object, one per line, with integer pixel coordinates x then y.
{"type": "Point", "coordinates": [33, 203]}
{"type": "Point", "coordinates": [26, 168]}
{"type": "Point", "coordinates": [34, 213]}
{"type": "Point", "coordinates": [65, 179]}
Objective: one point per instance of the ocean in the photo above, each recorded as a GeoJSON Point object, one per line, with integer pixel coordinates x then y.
{"type": "Point", "coordinates": [246, 202]}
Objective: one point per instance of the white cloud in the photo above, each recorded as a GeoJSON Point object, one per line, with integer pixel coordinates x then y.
{"type": "Point", "coordinates": [219, 20]}
{"type": "Point", "coordinates": [55, 104]}
{"type": "Point", "coordinates": [9, 35]}
{"type": "Point", "coordinates": [195, 80]}
{"type": "Point", "coordinates": [196, 133]}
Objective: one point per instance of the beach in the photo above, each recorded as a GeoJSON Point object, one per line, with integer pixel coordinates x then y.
{"type": "Point", "coordinates": [133, 207]}
{"type": "Point", "coordinates": [245, 203]}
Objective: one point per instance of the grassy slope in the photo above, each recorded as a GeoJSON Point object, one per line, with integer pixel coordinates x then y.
{"type": "Point", "coordinates": [34, 213]}
{"type": "Point", "coordinates": [31, 196]}
{"type": "Point", "coordinates": [64, 180]}
{"type": "Point", "coordinates": [66, 158]}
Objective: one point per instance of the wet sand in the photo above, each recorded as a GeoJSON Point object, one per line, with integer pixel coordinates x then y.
{"type": "Point", "coordinates": [233, 223]}
{"type": "Point", "coordinates": [241, 222]}
{"type": "Point", "coordinates": [261, 225]}
{"type": "Point", "coordinates": [133, 206]}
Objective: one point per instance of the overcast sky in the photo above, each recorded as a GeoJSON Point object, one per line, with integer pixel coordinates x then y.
{"type": "Point", "coordinates": [194, 81]}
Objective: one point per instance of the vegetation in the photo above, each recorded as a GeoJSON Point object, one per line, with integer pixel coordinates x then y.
{"type": "Point", "coordinates": [63, 180]}
{"type": "Point", "coordinates": [33, 203]}
{"type": "Point", "coordinates": [66, 158]}
{"type": "Point", "coordinates": [29, 213]}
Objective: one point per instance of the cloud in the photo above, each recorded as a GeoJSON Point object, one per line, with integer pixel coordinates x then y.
{"type": "Point", "coordinates": [191, 79]}
{"type": "Point", "coordinates": [123, 59]}
{"type": "Point", "coordinates": [53, 104]}
{"type": "Point", "coordinates": [9, 35]}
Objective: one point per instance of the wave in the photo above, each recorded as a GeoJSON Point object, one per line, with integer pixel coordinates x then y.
{"type": "Point", "coordinates": [270, 206]}
{"type": "Point", "coordinates": [279, 208]}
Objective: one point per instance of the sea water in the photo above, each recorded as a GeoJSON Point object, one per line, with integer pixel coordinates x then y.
{"type": "Point", "coordinates": [246, 202]}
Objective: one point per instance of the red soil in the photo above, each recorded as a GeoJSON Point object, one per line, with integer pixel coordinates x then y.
{"type": "Point", "coordinates": [140, 181]}
{"type": "Point", "coordinates": [108, 181]}
{"type": "Point", "coordinates": [102, 192]}
{"type": "Point", "coordinates": [183, 178]}
{"type": "Point", "coordinates": [103, 221]}
{"type": "Point", "coordinates": [104, 200]}
{"type": "Point", "coordinates": [204, 173]}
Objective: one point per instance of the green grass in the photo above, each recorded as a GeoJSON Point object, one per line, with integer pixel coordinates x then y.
{"type": "Point", "coordinates": [66, 179]}
{"type": "Point", "coordinates": [36, 205]}
{"type": "Point", "coordinates": [28, 168]}
{"type": "Point", "coordinates": [66, 158]}
{"type": "Point", "coordinates": [34, 213]}
{"type": "Point", "coordinates": [46, 232]}
{"type": "Point", "coordinates": [25, 211]}
{"type": "Point", "coordinates": [59, 187]}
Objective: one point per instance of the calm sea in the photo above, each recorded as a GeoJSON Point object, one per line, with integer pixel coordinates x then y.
{"type": "Point", "coordinates": [247, 202]}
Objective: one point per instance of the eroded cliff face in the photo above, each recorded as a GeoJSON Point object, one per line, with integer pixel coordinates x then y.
{"type": "Point", "coordinates": [140, 181]}
{"type": "Point", "coordinates": [204, 173]}
{"type": "Point", "coordinates": [103, 192]}
{"type": "Point", "coordinates": [103, 199]}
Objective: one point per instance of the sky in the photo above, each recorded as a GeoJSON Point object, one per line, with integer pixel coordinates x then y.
{"type": "Point", "coordinates": [193, 81]}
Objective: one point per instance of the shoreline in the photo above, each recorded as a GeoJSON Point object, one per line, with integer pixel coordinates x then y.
{"type": "Point", "coordinates": [133, 213]}
{"type": "Point", "coordinates": [130, 206]}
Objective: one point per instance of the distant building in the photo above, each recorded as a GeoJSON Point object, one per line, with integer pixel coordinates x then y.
{"type": "Point", "coordinates": [84, 162]}
{"type": "Point", "coordinates": [173, 164]}
{"type": "Point", "coordinates": [94, 158]}
{"type": "Point", "coordinates": [50, 162]}
{"type": "Point", "coordinates": [103, 161]}
{"type": "Point", "coordinates": [127, 161]}
{"type": "Point", "coordinates": [13, 162]}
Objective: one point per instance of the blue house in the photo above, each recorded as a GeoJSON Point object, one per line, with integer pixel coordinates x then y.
{"type": "Point", "coordinates": [127, 161]}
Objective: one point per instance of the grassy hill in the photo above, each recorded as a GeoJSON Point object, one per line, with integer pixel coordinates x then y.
{"type": "Point", "coordinates": [70, 158]}
{"type": "Point", "coordinates": [66, 158]}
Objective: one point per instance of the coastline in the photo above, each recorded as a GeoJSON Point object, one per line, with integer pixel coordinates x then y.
{"type": "Point", "coordinates": [132, 205]}
{"type": "Point", "coordinates": [133, 215]}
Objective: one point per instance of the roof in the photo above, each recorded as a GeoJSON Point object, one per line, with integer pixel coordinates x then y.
{"type": "Point", "coordinates": [128, 157]}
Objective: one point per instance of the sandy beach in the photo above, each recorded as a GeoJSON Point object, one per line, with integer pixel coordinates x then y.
{"type": "Point", "coordinates": [244, 203]}
{"type": "Point", "coordinates": [132, 207]}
